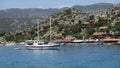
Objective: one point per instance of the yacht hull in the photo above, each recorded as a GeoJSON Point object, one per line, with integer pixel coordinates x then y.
{"type": "Point", "coordinates": [42, 47]}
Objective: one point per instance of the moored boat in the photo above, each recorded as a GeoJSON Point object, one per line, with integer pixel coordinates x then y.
{"type": "Point", "coordinates": [37, 44]}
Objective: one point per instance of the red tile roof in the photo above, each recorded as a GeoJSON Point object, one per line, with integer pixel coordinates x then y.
{"type": "Point", "coordinates": [99, 33]}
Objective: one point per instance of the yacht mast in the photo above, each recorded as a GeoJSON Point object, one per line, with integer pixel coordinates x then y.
{"type": "Point", "coordinates": [38, 30]}
{"type": "Point", "coordinates": [50, 28]}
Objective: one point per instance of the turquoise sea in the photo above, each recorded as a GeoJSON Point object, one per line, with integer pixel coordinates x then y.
{"type": "Point", "coordinates": [83, 56]}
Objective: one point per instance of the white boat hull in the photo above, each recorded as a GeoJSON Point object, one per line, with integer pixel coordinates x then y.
{"type": "Point", "coordinates": [42, 47]}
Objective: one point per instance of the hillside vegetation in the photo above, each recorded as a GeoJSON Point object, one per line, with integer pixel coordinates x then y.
{"type": "Point", "coordinates": [14, 19]}
{"type": "Point", "coordinates": [74, 23]}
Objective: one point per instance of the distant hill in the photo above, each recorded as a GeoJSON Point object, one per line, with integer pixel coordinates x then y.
{"type": "Point", "coordinates": [13, 25]}
{"type": "Point", "coordinates": [27, 13]}
{"type": "Point", "coordinates": [93, 7]}
{"type": "Point", "coordinates": [19, 19]}
{"type": "Point", "coordinates": [16, 19]}
{"type": "Point", "coordinates": [42, 13]}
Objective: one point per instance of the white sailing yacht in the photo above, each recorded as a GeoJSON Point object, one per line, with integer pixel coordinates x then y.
{"type": "Point", "coordinates": [37, 44]}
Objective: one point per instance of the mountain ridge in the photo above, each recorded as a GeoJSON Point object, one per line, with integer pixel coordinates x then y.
{"type": "Point", "coordinates": [73, 23]}
{"type": "Point", "coordinates": [94, 7]}
{"type": "Point", "coordinates": [42, 13]}
{"type": "Point", "coordinates": [20, 17]}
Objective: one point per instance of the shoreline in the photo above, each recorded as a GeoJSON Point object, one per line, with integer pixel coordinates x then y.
{"type": "Point", "coordinates": [81, 42]}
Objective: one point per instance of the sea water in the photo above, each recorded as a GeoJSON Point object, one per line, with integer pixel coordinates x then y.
{"type": "Point", "coordinates": [83, 56]}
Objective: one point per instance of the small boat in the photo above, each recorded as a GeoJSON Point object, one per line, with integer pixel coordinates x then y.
{"type": "Point", "coordinates": [17, 48]}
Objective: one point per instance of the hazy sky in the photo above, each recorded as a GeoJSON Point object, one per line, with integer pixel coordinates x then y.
{"type": "Point", "coordinates": [48, 3]}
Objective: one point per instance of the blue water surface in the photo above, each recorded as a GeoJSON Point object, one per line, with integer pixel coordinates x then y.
{"type": "Point", "coordinates": [83, 56]}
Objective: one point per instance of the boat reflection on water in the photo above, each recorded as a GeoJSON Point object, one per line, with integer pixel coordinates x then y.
{"type": "Point", "coordinates": [51, 53]}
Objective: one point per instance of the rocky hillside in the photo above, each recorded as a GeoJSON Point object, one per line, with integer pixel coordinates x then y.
{"type": "Point", "coordinates": [15, 19]}
{"type": "Point", "coordinates": [62, 24]}
{"type": "Point", "coordinates": [74, 23]}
